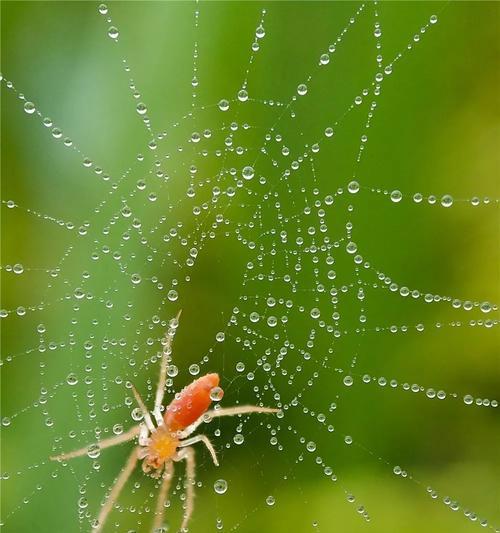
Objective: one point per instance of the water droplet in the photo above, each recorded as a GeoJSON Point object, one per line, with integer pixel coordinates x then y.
{"type": "Point", "coordinates": [348, 381]}
{"type": "Point", "coordinates": [485, 307]}
{"type": "Point", "coordinates": [396, 196]}
{"type": "Point", "coordinates": [272, 321]}
{"type": "Point", "coordinates": [141, 108]}
{"type": "Point", "coordinates": [216, 394]}
{"type": "Point", "coordinates": [93, 451]}
{"type": "Point", "coordinates": [260, 32]}
{"type": "Point", "coordinates": [194, 370]}
{"type": "Point", "coordinates": [103, 9]}
{"type": "Point", "coordinates": [311, 446]}
{"type": "Point", "coordinates": [172, 295]}
{"type": "Point", "coordinates": [223, 105]}
{"type": "Point", "coordinates": [302, 89]}
{"type": "Point", "coordinates": [270, 500]}
{"type": "Point", "coordinates": [220, 486]}
{"type": "Point", "coordinates": [315, 312]}
{"type": "Point", "coordinates": [468, 399]}
{"type": "Point", "coordinates": [238, 438]}
{"type": "Point", "coordinates": [351, 247]}
{"type": "Point", "coordinates": [79, 293]}
{"type": "Point", "coordinates": [220, 336]}
{"type": "Point", "coordinates": [72, 379]}
{"type": "Point", "coordinates": [447, 200]}
{"type": "Point", "coordinates": [82, 503]}
{"type": "Point", "coordinates": [243, 95]}
{"type": "Point", "coordinates": [248, 172]}
{"type": "Point", "coordinates": [29, 107]}
{"type": "Point", "coordinates": [113, 32]}
{"type": "Point", "coordinates": [6, 421]}
{"type": "Point", "coordinates": [172, 371]}
{"type": "Point", "coordinates": [18, 268]}
{"type": "Point", "coordinates": [137, 414]}
{"type": "Point", "coordinates": [353, 187]}
{"type": "Point", "coordinates": [135, 279]}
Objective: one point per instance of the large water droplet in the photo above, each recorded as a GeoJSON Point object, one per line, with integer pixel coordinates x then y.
{"type": "Point", "coordinates": [93, 451]}
{"type": "Point", "coordinates": [223, 105]}
{"type": "Point", "coordinates": [216, 394]}
{"type": "Point", "coordinates": [248, 172]}
{"type": "Point", "coordinates": [302, 89]}
{"type": "Point", "coordinates": [29, 107]}
{"type": "Point", "coordinates": [72, 379]}
{"type": "Point", "coordinates": [396, 196]}
{"type": "Point", "coordinates": [220, 486]}
{"type": "Point", "coordinates": [113, 32]}
{"type": "Point", "coordinates": [141, 108]}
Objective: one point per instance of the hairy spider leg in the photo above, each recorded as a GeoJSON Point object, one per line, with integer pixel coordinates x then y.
{"type": "Point", "coordinates": [162, 379]}
{"type": "Point", "coordinates": [162, 497]}
{"type": "Point", "coordinates": [116, 489]}
{"type": "Point", "coordinates": [224, 411]}
{"type": "Point", "coordinates": [188, 455]}
{"type": "Point", "coordinates": [206, 442]}
{"type": "Point", "coordinates": [144, 410]}
{"type": "Point", "coordinates": [105, 443]}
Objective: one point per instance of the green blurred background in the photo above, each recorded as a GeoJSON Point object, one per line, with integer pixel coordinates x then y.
{"type": "Point", "coordinates": [435, 131]}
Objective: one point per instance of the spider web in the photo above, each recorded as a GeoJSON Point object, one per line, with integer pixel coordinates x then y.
{"type": "Point", "coordinates": [252, 184]}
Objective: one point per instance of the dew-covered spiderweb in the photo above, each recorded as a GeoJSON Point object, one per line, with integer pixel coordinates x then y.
{"type": "Point", "coordinates": [315, 186]}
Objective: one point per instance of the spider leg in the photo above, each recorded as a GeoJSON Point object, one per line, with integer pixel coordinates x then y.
{"type": "Point", "coordinates": [162, 497]}
{"type": "Point", "coordinates": [188, 455]}
{"type": "Point", "coordinates": [143, 435]}
{"type": "Point", "coordinates": [105, 443]}
{"type": "Point", "coordinates": [206, 442]}
{"type": "Point", "coordinates": [115, 491]}
{"type": "Point", "coordinates": [167, 350]}
{"type": "Point", "coordinates": [144, 409]}
{"type": "Point", "coordinates": [225, 411]}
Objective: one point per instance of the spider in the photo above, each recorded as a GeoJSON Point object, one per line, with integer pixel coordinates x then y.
{"type": "Point", "coordinates": [170, 440]}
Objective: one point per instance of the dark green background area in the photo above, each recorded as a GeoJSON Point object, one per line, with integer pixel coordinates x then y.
{"type": "Point", "coordinates": [435, 131]}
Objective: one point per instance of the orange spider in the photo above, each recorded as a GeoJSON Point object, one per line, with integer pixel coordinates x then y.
{"type": "Point", "coordinates": [159, 446]}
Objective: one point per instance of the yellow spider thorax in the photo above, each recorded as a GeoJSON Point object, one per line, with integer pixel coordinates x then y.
{"type": "Point", "coordinates": [162, 446]}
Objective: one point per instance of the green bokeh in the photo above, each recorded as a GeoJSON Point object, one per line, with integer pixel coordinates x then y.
{"type": "Point", "coordinates": [435, 131]}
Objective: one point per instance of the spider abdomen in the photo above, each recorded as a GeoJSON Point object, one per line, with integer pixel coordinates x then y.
{"type": "Point", "coordinates": [190, 403]}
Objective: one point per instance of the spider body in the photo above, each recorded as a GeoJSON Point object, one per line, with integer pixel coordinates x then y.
{"type": "Point", "coordinates": [170, 440]}
{"type": "Point", "coordinates": [187, 407]}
